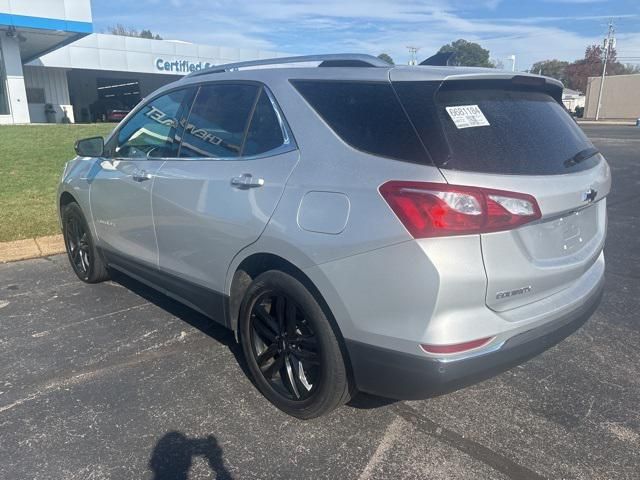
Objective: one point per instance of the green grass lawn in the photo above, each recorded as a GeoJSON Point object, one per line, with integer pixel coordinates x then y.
{"type": "Point", "coordinates": [31, 162]}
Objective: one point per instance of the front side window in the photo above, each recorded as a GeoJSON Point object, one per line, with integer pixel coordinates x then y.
{"type": "Point", "coordinates": [151, 131]}
{"type": "Point", "coordinates": [218, 121]}
{"type": "Point", "coordinates": [4, 97]}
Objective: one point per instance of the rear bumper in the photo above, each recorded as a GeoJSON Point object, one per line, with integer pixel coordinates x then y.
{"type": "Point", "coordinates": [394, 374]}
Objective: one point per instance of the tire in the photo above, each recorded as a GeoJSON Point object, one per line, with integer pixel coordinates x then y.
{"type": "Point", "coordinates": [290, 347]}
{"type": "Point", "coordinates": [84, 257]}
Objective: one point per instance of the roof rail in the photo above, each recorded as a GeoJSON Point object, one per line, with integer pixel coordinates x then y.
{"type": "Point", "coordinates": [334, 59]}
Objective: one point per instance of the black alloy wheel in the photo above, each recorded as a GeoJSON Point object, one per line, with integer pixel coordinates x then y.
{"type": "Point", "coordinates": [291, 347]}
{"type": "Point", "coordinates": [78, 246]}
{"type": "Point", "coordinates": [83, 255]}
{"type": "Point", "coordinates": [284, 345]}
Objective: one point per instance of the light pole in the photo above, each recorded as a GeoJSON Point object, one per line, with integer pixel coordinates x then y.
{"type": "Point", "coordinates": [413, 51]}
{"type": "Point", "coordinates": [609, 43]}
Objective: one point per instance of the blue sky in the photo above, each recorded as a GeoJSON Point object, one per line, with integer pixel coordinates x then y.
{"type": "Point", "coordinates": [531, 29]}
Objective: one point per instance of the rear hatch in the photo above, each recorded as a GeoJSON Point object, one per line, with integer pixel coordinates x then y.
{"type": "Point", "coordinates": [513, 134]}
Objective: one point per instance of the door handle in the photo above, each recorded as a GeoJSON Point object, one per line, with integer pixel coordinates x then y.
{"type": "Point", "coordinates": [246, 180]}
{"type": "Point", "coordinates": [140, 176]}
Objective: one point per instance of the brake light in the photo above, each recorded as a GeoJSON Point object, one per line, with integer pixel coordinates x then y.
{"type": "Point", "coordinates": [440, 209]}
{"type": "Point", "coordinates": [457, 347]}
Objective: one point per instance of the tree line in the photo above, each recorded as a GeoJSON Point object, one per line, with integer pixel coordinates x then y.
{"type": "Point", "coordinates": [573, 75]}
{"type": "Point", "coordinates": [125, 31]}
{"type": "Point", "coordinates": [466, 53]}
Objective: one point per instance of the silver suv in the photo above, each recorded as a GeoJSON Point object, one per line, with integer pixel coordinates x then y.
{"type": "Point", "coordinates": [401, 231]}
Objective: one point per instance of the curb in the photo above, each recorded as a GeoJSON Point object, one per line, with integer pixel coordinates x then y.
{"type": "Point", "coordinates": [629, 123]}
{"type": "Point", "coordinates": [31, 248]}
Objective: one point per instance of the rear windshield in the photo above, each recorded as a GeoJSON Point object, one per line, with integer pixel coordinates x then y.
{"type": "Point", "coordinates": [366, 115]}
{"type": "Point", "coordinates": [496, 130]}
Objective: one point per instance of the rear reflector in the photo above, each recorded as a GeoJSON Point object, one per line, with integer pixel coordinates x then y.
{"type": "Point", "coordinates": [456, 347]}
{"type": "Point", "coordinates": [440, 209]}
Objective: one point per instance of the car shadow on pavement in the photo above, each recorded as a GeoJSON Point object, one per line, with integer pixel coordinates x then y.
{"type": "Point", "coordinates": [173, 456]}
{"type": "Point", "coordinates": [361, 401]}
{"type": "Point", "coordinates": [197, 320]}
{"type": "Point", "coordinates": [365, 401]}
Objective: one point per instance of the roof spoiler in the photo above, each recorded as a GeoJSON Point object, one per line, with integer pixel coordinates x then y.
{"type": "Point", "coordinates": [440, 59]}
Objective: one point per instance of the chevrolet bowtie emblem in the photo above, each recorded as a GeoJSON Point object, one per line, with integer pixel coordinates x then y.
{"type": "Point", "coordinates": [590, 195]}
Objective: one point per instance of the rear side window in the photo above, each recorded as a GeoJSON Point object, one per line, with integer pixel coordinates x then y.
{"type": "Point", "coordinates": [264, 132]}
{"type": "Point", "coordinates": [528, 131]}
{"type": "Point", "coordinates": [365, 115]}
{"type": "Point", "coordinates": [218, 121]}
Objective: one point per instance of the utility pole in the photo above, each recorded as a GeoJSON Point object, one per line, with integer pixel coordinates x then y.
{"type": "Point", "coordinates": [609, 43]}
{"type": "Point", "coordinates": [413, 51]}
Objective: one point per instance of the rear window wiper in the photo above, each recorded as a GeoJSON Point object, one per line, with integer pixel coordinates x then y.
{"type": "Point", "coordinates": [581, 156]}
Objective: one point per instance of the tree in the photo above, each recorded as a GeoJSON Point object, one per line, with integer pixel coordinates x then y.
{"type": "Point", "coordinates": [630, 68]}
{"type": "Point", "coordinates": [579, 71]}
{"type": "Point", "coordinates": [120, 29]}
{"type": "Point", "coordinates": [497, 63]}
{"type": "Point", "coordinates": [467, 54]}
{"type": "Point", "coordinates": [149, 34]}
{"type": "Point", "coordinates": [386, 57]}
{"type": "Point", "coordinates": [551, 68]}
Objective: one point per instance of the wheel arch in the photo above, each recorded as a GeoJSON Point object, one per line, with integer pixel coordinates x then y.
{"type": "Point", "coordinates": [65, 199]}
{"type": "Point", "coordinates": [257, 263]}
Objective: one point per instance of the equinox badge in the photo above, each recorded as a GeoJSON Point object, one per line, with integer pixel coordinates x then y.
{"type": "Point", "coordinates": [512, 293]}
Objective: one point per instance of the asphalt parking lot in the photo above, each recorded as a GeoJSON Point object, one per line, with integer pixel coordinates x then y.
{"type": "Point", "coordinates": [115, 381]}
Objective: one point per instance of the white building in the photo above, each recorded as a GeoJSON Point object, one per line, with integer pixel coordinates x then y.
{"type": "Point", "coordinates": [572, 99]}
{"type": "Point", "coordinates": [49, 56]}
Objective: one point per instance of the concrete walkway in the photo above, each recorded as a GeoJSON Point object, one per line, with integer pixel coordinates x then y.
{"type": "Point", "coordinates": [31, 248]}
{"type": "Point", "coordinates": [630, 123]}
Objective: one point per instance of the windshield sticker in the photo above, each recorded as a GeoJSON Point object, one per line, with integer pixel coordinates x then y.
{"type": "Point", "coordinates": [466, 116]}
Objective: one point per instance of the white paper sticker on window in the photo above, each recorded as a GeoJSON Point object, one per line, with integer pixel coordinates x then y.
{"type": "Point", "coordinates": [465, 116]}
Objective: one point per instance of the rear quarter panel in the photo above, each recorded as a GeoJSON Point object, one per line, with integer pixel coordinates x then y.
{"type": "Point", "coordinates": [329, 165]}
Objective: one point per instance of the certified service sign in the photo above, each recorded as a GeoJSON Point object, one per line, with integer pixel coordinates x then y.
{"type": "Point", "coordinates": [179, 66]}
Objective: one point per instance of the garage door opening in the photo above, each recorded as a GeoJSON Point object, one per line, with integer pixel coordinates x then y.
{"type": "Point", "coordinates": [116, 98]}
{"type": "Point", "coordinates": [94, 92]}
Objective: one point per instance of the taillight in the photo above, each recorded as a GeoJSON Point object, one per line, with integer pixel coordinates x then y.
{"type": "Point", "coordinates": [440, 209]}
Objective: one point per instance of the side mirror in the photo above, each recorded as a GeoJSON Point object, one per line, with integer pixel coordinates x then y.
{"type": "Point", "coordinates": [90, 147]}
